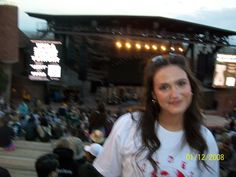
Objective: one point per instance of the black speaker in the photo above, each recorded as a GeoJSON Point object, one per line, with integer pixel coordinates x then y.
{"type": "Point", "coordinates": [201, 66]}
{"type": "Point", "coordinates": [205, 68]}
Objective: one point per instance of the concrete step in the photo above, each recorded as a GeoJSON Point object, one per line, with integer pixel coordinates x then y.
{"type": "Point", "coordinates": [19, 163]}
{"type": "Point", "coordinates": [25, 153]}
{"type": "Point", "coordinates": [34, 145]}
{"type": "Point", "coordinates": [22, 173]}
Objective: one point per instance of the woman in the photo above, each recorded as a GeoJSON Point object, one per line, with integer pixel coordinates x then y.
{"type": "Point", "coordinates": [168, 137]}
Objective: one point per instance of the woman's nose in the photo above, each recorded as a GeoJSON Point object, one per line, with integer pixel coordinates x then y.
{"type": "Point", "coordinates": [174, 92]}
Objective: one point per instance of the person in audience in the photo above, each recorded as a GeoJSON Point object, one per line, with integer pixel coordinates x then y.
{"type": "Point", "coordinates": [30, 129]}
{"type": "Point", "coordinates": [83, 134]}
{"type": "Point", "coordinates": [6, 134]}
{"type": "Point", "coordinates": [165, 138]}
{"type": "Point", "coordinates": [44, 130]}
{"type": "Point", "coordinates": [67, 164]}
{"type": "Point", "coordinates": [47, 165]}
{"type": "Point", "coordinates": [97, 136]}
{"type": "Point", "coordinates": [232, 165]}
{"type": "Point", "coordinates": [76, 143]}
{"type": "Point", "coordinates": [4, 172]}
{"type": "Point", "coordinates": [15, 124]}
{"type": "Point", "coordinates": [23, 108]}
{"type": "Point", "coordinates": [224, 148]}
{"type": "Point", "coordinates": [98, 118]}
{"type": "Point", "coordinates": [91, 152]}
{"type": "Point", "coordinates": [57, 130]}
{"type": "Point", "coordinates": [78, 148]}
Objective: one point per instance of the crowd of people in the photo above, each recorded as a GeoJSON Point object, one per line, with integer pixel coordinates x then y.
{"type": "Point", "coordinates": [153, 141]}
{"type": "Point", "coordinates": [44, 123]}
{"type": "Point", "coordinates": [79, 133]}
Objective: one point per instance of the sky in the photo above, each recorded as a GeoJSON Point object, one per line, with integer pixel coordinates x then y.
{"type": "Point", "coordinates": [216, 13]}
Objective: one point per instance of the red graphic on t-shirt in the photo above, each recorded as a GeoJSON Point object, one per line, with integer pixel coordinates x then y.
{"type": "Point", "coordinates": [164, 173]}
{"type": "Point", "coordinates": [154, 174]}
{"type": "Point", "coordinates": [180, 174]}
{"type": "Point", "coordinates": [170, 159]}
{"type": "Point", "coordinates": [183, 165]}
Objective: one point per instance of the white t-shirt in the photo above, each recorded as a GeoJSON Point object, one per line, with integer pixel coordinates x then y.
{"type": "Point", "coordinates": [174, 158]}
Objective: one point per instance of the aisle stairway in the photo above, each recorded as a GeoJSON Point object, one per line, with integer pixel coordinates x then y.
{"type": "Point", "coordinates": [20, 162]}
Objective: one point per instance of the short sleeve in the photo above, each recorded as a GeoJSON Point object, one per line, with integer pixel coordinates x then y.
{"type": "Point", "coordinates": [109, 162]}
{"type": "Point", "coordinates": [213, 152]}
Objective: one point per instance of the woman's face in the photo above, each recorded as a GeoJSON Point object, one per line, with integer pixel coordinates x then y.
{"type": "Point", "coordinates": [172, 90]}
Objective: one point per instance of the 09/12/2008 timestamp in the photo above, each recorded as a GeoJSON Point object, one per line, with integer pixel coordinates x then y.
{"type": "Point", "coordinates": [191, 156]}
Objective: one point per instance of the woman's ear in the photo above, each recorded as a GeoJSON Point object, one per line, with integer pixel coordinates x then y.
{"type": "Point", "coordinates": [154, 98]}
{"type": "Point", "coordinates": [153, 95]}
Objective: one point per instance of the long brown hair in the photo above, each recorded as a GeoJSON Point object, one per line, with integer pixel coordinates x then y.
{"type": "Point", "coordinates": [193, 119]}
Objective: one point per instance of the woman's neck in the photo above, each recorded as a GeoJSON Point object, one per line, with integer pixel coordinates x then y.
{"type": "Point", "coordinates": [171, 122]}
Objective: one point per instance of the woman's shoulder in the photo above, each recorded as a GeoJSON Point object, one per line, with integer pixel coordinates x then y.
{"type": "Point", "coordinates": [128, 119]}
{"type": "Point", "coordinates": [209, 138]}
{"type": "Point", "coordinates": [127, 122]}
{"type": "Point", "coordinates": [206, 132]}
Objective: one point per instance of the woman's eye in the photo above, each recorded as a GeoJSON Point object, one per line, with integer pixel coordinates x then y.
{"type": "Point", "coordinates": [181, 83]}
{"type": "Point", "coordinates": [164, 87]}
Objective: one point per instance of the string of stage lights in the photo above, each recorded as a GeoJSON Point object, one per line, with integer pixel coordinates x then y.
{"type": "Point", "coordinates": [149, 47]}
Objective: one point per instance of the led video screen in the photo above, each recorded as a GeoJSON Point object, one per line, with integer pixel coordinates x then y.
{"type": "Point", "coordinates": [45, 62]}
{"type": "Point", "coordinates": [225, 71]}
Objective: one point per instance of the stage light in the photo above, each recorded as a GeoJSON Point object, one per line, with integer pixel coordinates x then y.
{"type": "Point", "coordinates": [172, 49]}
{"type": "Point", "coordinates": [128, 45]}
{"type": "Point", "coordinates": [154, 47]}
{"type": "Point", "coordinates": [138, 46]}
{"type": "Point", "coordinates": [180, 49]}
{"type": "Point", "coordinates": [147, 46]}
{"type": "Point", "coordinates": [163, 48]}
{"type": "Point", "coordinates": [118, 44]}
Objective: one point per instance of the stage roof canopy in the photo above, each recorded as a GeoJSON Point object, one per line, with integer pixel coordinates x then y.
{"type": "Point", "coordinates": [93, 37]}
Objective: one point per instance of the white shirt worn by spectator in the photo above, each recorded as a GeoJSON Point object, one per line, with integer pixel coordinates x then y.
{"type": "Point", "coordinates": [118, 158]}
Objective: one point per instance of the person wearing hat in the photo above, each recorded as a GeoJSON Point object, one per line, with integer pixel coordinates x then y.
{"type": "Point", "coordinates": [97, 136]}
{"type": "Point", "coordinates": [91, 152]}
{"type": "Point", "coordinates": [67, 164]}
